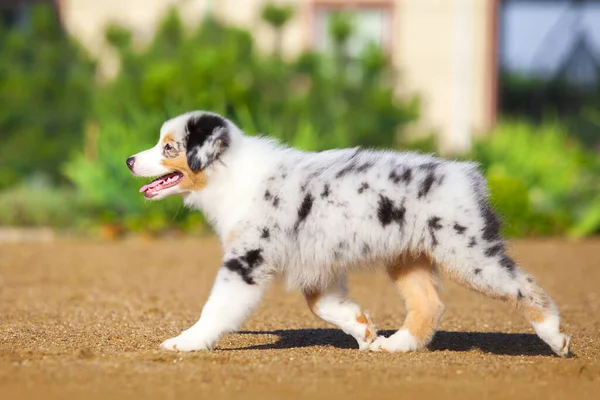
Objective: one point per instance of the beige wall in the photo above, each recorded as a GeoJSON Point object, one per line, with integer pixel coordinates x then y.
{"type": "Point", "coordinates": [441, 47]}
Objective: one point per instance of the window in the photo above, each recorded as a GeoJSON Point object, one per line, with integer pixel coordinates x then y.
{"type": "Point", "coordinates": [17, 13]}
{"type": "Point", "coordinates": [372, 23]}
{"type": "Point", "coordinates": [16, 16]}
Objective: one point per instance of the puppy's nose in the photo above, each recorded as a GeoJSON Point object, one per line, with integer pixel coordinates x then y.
{"type": "Point", "coordinates": [130, 162]}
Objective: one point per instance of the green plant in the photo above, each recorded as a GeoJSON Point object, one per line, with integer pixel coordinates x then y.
{"type": "Point", "coordinates": [106, 187]}
{"type": "Point", "coordinates": [304, 102]}
{"type": "Point", "coordinates": [541, 180]}
{"type": "Point", "coordinates": [39, 205]}
{"type": "Point", "coordinates": [277, 16]}
{"type": "Point", "coordinates": [45, 97]}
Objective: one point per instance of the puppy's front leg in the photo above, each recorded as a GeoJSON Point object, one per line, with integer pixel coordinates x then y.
{"type": "Point", "coordinates": [231, 300]}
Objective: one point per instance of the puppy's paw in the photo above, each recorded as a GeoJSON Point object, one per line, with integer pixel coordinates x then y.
{"type": "Point", "coordinates": [401, 341]}
{"type": "Point", "coordinates": [366, 332]}
{"type": "Point", "coordinates": [561, 345]}
{"type": "Point", "coordinates": [184, 343]}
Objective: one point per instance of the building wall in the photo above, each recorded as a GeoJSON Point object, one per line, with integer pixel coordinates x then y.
{"type": "Point", "coordinates": [443, 48]}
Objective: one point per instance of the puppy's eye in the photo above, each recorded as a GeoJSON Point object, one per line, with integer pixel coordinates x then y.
{"type": "Point", "coordinates": [168, 147]}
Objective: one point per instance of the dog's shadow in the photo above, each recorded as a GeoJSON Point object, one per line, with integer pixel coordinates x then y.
{"type": "Point", "coordinates": [514, 344]}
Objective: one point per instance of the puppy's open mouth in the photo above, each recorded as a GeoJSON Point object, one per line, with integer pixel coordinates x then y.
{"type": "Point", "coordinates": [164, 182]}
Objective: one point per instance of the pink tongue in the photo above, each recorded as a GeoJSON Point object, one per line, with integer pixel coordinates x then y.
{"type": "Point", "coordinates": [151, 185]}
{"type": "Point", "coordinates": [157, 183]}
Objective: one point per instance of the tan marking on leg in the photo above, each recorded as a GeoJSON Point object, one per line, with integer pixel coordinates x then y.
{"type": "Point", "coordinates": [370, 330]}
{"type": "Point", "coordinates": [312, 298]}
{"type": "Point", "coordinates": [362, 319]}
{"type": "Point", "coordinates": [453, 276]}
{"type": "Point", "coordinates": [417, 283]}
{"type": "Point", "coordinates": [532, 313]}
{"type": "Point", "coordinates": [536, 305]}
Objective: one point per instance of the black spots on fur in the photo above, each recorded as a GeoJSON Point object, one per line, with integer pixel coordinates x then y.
{"type": "Point", "coordinates": [494, 250]}
{"type": "Point", "coordinates": [340, 204]}
{"type": "Point", "coordinates": [364, 186]}
{"type": "Point", "coordinates": [387, 212]}
{"type": "Point", "coordinates": [477, 271]}
{"type": "Point", "coordinates": [352, 165]}
{"type": "Point", "coordinates": [265, 233]}
{"type": "Point", "coordinates": [253, 258]}
{"type": "Point", "coordinates": [507, 263]}
{"type": "Point", "coordinates": [440, 179]}
{"type": "Point", "coordinates": [430, 166]}
{"type": "Point", "coordinates": [405, 177]}
{"type": "Point", "coordinates": [366, 249]}
{"type": "Point", "coordinates": [529, 280]}
{"type": "Point", "coordinates": [305, 207]}
{"type": "Point", "coordinates": [459, 228]}
{"type": "Point", "coordinates": [434, 225]}
{"type": "Point", "coordinates": [346, 170]}
{"type": "Point", "coordinates": [519, 295]}
{"type": "Point", "coordinates": [245, 264]}
{"type": "Point", "coordinates": [304, 210]}
{"type": "Point", "coordinates": [342, 245]}
{"type": "Point", "coordinates": [314, 174]}
{"type": "Point", "coordinates": [199, 129]}
{"type": "Point", "coordinates": [236, 266]}
{"type": "Point", "coordinates": [492, 224]}
{"type": "Point", "coordinates": [426, 185]}
{"type": "Point", "coordinates": [269, 196]}
{"type": "Point", "coordinates": [472, 242]}
{"type": "Point", "coordinates": [365, 167]}
{"type": "Point", "coordinates": [326, 191]}
{"type": "Point", "coordinates": [394, 177]}
{"type": "Point", "coordinates": [430, 178]}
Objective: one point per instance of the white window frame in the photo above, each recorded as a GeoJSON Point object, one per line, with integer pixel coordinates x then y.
{"type": "Point", "coordinates": [386, 7]}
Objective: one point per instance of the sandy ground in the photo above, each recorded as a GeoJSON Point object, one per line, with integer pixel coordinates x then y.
{"type": "Point", "coordinates": [84, 320]}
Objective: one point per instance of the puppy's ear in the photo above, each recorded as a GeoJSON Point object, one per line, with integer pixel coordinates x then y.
{"type": "Point", "coordinates": [207, 138]}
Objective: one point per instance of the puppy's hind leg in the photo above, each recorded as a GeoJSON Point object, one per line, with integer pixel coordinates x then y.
{"type": "Point", "coordinates": [333, 306]}
{"type": "Point", "coordinates": [491, 272]}
{"type": "Point", "coordinates": [417, 282]}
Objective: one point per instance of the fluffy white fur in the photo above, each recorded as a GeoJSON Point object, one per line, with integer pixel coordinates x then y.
{"type": "Point", "coordinates": [315, 217]}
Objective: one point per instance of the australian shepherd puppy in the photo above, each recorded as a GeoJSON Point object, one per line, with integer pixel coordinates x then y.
{"type": "Point", "coordinates": [314, 217]}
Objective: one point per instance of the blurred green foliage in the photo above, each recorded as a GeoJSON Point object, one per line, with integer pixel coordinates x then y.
{"type": "Point", "coordinates": [57, 119]}
{"type": "Point", "coordinates": [542, 180]}
{"type": "Point", "coordinates": [39, 205]}
{"type": "Point", "coordinates": [535, 98]}
{"type": "Point", "coordinates": [47, 83]}
{"type": "Point", "coordinates": [309, 102]}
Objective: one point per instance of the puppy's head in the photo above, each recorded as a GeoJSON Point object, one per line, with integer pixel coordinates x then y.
{"type": "Point", "coordinates": [188, 145]}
